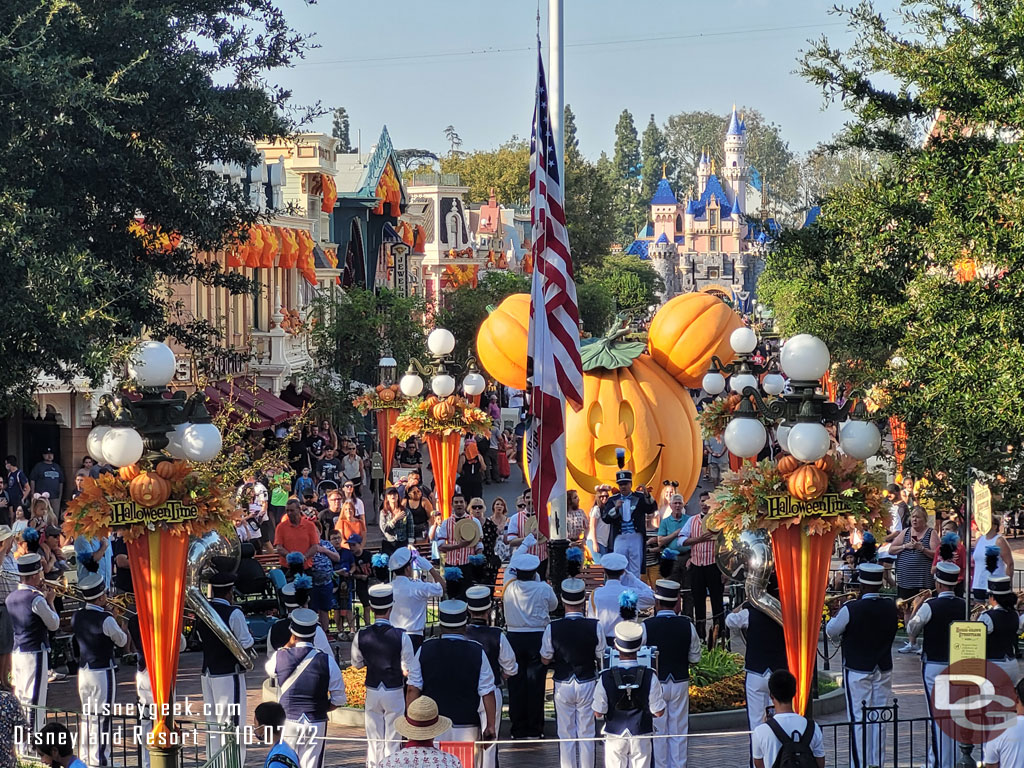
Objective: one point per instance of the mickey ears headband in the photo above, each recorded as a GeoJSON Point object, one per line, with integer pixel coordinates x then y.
{"type": "Point", "coordinates": [43, 495]}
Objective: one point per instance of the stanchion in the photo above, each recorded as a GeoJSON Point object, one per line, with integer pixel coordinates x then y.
{"type": "Point", "coordinates": [966, 757]}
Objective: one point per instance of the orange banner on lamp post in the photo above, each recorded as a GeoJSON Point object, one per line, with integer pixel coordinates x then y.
{"type": "Point", "coordinates": [801, 564]}
{"type": "Point", "coordinates": [899, 444]}
{"type": "Point", "coordinates": [386, 418]}
{"type": "Point", "coordinates": [444, 460]}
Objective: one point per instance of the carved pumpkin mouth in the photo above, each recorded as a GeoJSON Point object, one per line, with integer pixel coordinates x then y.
{"type": "Point", "coordinates": [589, 482]}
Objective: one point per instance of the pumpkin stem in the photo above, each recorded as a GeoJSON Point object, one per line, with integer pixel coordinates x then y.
{"type": "Point", "coordinates": [611, 351]}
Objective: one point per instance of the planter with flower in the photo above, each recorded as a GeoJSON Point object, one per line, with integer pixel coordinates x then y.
{"type": "Point", "coordinates": [442, 422]}
{"type": "Point", "coordinates": [386, 401]}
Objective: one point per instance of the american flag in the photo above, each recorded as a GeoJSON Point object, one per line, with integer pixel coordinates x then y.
{"type": "Point", "coordinates": [553, 357]}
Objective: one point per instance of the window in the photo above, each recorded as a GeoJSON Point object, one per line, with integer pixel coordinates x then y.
{"type": "Point", "coordinates": [712, 243]}
{"type": "Point", "coordinates": [713, 221]}
{"type": "Point", "coordinates": [679, 224]}
{"type": "Point", "coordinates": [713, 273]}
{"type": "Point", "coordinates": [307, 151]}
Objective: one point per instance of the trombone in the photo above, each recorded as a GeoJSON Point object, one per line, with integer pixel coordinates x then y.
{"type": "Point", "coordinates": [915, 601]}
{"type": "Point", "coordinates": [835, 601]}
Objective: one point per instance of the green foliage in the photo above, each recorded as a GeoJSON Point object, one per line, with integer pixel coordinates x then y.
{"type": "Point", "coordinates": [715, 664]}
{"type": "Point", "coordinates": [652, 159]}
{"type": "Point", "coordinates": [465, 308]}
{"type": "Point", "coordinates": [876, 276]}
{"type": "Point", "coordinates": [112, 110]}
{"type": "Point", "coordinates": [505, 169]}
{"type": "Point", "coordinates": [633, 284]}
{"type": "Point", "coordinates": [340, 130]}
{"type": "Point", "coordinates": [351, 332]}
{"type": "Point", "coordinates": [631, 210]}
{"type": "Point", "coordinates": [410, 159]}
{"type": "Point", "coordinates": [589, 203]}
{"type": "Point", "coordinates": [597, 307]}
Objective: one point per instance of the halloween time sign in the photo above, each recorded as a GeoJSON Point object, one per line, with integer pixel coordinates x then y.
{"type": "Point", "coordinates": [827, 505]}
{"type": "Point", "coordinates": [125, 513]}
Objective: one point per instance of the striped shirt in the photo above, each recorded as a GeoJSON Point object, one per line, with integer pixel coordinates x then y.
{"type": "Point", "coordinates": [914, 568]}
{"type": "Point", "coordinates": [515, 530]}
{"type": "Point", "coordinates": [703, 553]}
{"type": "Point", "coordinates": [461, 555]}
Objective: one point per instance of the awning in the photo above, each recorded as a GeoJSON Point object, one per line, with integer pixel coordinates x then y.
{"type": "Point", "coordinates": [391, 234]}
{"type": "Point", "coordinates": [270, 408]}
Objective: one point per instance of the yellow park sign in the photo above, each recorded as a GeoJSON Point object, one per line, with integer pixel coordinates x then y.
{"type": "Point", "coordinates": [982, 507]}
{"type": "Point", "coordinates": [783, 506]}
{"type": "Point", "coordinates": [127, 513]}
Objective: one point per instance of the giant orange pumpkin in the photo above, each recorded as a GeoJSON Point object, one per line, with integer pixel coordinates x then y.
{"type": "Point", "coordinates": [688, 331]}
{"type": "Point", "coordinates": [502, 339]}
{"type": "Point", "coordinates": [807, 483]}
{"type": "Point", "coordinates": [149, 489]}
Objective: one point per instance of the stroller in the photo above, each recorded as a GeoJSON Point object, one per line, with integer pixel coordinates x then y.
{"type": "Point", "coordinates": [322, 489]}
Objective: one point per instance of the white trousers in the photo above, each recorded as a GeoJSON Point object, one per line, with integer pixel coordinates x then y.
{"type": "Point", "coordinates": [875, 690]}
{"type": "Point", "coordinates": [489, 755]}
{"type": "Point", "coordinates": [631, 546]}
{"type": "Point", "coordinates": [30, 671]}
{"type": "Point", "coordinates": [96, 689]}
{"type": "Point", "coordinates": [943, 753]}
{"type": "Point", "coordinates": [463, 733]}
{"type": "Point", "coordinates": [144, 689]}
{"type": "Point", "coordinates": [224, 697]}
{"type": "Point", "coordinates": [758, 700]}
{"type": "Point", "coordinates": [627, 751]}
{"type": "Point", "coordinates": [306, 737]}
{"type": "Point", "coordinates": [671, 752]}
{"type": "Point", "coordinates": [383, 708]}
{"type": "Point", "coordinates": [574, 716]}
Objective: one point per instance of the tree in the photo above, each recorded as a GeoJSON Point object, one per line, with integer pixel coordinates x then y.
{"type": "Point", "coordinates": [505, 169]}
{"type": "Point", "coordinates": [652, 159]}
{"type": "Point", "coordinates": [914, 274]}
{"type": "Point", "coordinates": [113, 112]}
{"type": "Point", "coordinates": [466, 307]}
{"type": "Point", "coordinates": [633, 284]}
{"type": "Point", "coordinates": [352, 331]}
{"type": "Point", "coordinates": [589, 203]}
{"type": "Point", "coordinates": [597, 307]}
{"type": "Point", "coordinates": [411, 159]}
{"type": "Point", "coordinates": [339, 130]}
{"type": "Point", "coordinates": [626, 162]}
{"type": "Point", "coordinates": [453, 139]}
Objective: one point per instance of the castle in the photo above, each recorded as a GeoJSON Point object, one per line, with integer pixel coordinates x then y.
{"type": "Point", "coordinates": [708, 243]}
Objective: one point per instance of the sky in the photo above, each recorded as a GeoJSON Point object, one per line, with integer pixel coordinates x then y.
{"type": "Point", "coordinates": [418, 67]}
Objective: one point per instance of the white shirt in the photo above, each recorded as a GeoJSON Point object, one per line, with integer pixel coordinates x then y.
{"type": "Point", "coordinates": [410, 661]}
{"type": "Point", "coordinates": [110, 628]}
{"type": "Point", "coordinates": [547, 648]}
{"type": "Point", "coordinates": [485, 681]}
{"type": "Point", "coordinates": [598, 528]}
{"type": "Point", "coordinates": [923, 616]}
{"type": "Point", "coordinates": [655, 699]}
{"type": "Point", "coordinates": [765, 745]}
{"type": "Point", "coordinates": [693, 655]}
{"type": "Point", "coordinates": [410, 609]}
{"type": "Point", "coordinates": [238, 625]}
{"type": "Point", "coordinates": [336, 683]}
{"type": "Point", "coordinates": [837, 624]}
{"type": "Point", "coordinates": [528, 605]}
{"type": "Point", "coordinates": [604, 601]}
{"type": "Point", "coordinates": [320, 642]}
{"type": "Point", "coordinates": [1007, 749]}
{"type": "Point", "coordinates": [42, 609]}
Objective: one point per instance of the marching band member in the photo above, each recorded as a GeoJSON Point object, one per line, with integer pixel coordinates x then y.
{"type": "Point", "coordinates": [628, 697]}
{"type": "Point", "coordinates": [626, 513]}
{"type": "Point", "coordinates": [294, 594]}
{"type": "Point", "coordinates": [96, 635]}
{"type": "Point", "coordinates": [388, 656]}
{"type": "Point", "coordinates": [1001, 621]}
{"type": "Point", "coordinates": [667, 631]}
{"type": "Point", "coordinates": [765, 653]}
{"type": "Point", "coordinates": [571, 647]}
{"type": "Point", "coordinates": [933, 619]}
{"type": "Point", "coordinates": [223, 679]}
{"type": "Point", "coordinates": [458, 677]}
{"type": "Point", "coordinates": [309, 685]}
{"type": "Point", "coordinates": [604, 601]}
{"type": "Point", "coordinates": [499, 655]}
{"type": "Point", "coordinates": [410, 597]}
{"type": "Point", "coordinates": [528, 603]}
{"type": "Point", "coordinates": [33, 618]}
{"type": "Point", "coordinates": [866, 627]}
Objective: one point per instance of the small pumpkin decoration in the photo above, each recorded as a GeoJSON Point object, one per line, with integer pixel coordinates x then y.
{"type": "Point", "coordinates": [826, 463]}
{"type": "Point", "coordinates": [807, 483]}
{"type": "Point", "coordinates": [129, 472]}
{"type": "Point", "coordinates": [787, 465]}
{"type": "Point", "coordinates": [442, 411]}
{"type": "Point", "coordinates": [733, 401]}
{"type": "Point", "coordinates": [386, 395]}
{"type": "Point", "coordinates": [167, 470]}
{"type": "Point", "coordinates": [432, 400]}
{"type": "Point", "coordinates": [149, 489]}
{"type": "Point", "coordinates": [381, 388]}
{"type": "Point", "coordinates": [502, 339]}
{"type": "Point", "coordinates": [688, 331]}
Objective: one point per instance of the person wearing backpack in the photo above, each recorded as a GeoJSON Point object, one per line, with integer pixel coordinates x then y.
{"type": "Point", "coordinates": [786, 739]}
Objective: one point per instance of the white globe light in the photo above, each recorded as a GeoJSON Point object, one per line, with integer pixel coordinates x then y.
{"type": "Point", "coordinates": [411, 385]}
{"type": "Point", "coordinates": [741, 381]}
{"type": "Point", "coordinates": [808, 441]}
{"type": "Point", "coordinates": [745, 437]}
{"type": "Point", "coordinates": [713, 383]}
{"type": "Point", "coordinates": [474, 384]}
{"type": "Point", "coordinates": [94, 442]}
{"type": "Point", "coordinates": [743, 341]}
{"type": "Point", "coordinates": [782, 436]}
{"type": "Point", "coordinates": [860, 439]}
{"type": "Point", "coordinates": [773, 384]}
{"type": "Point", "coordinates": [122, 446]}
{"type": "Point", "coordinates": [152, 364]}
{"type": "Point", "coordinates": [805, 358]}
{"type": "Point", "coordinates": [201, 442]}
{"type": "Point", "coordinates": [174, 436]}
{"type": "Point", "coordinates": [442, 385]}
{"type": "Point", "coordinates": [440, 342]}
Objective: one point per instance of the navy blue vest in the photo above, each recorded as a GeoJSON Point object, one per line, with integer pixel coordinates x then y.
{"type": "Point", "coordinates": [95, 649]}
{"type": "Point", "coordinates": [766, 643]}
{"type": "Point", "coordinates": [945, 610]}
{"type": "Point", "coordinates": [867, 641]}
{"type": "Point", "coordinates": [217, 658]}
{"type": "Point", "coordinates": [310, 694]}
{"type": "Point", "coordinates": [30, 633]}
{"type": "Point", "coordinates": [381, 646]}
{"type": "Point", "coordinates": [671, 635]}
{"type": "Point", "coordinates": [1002, 643]}
{"type": "Point", "coordinates": [451, 676]}
{"type": "Point", "coordinates": [490, 639]}
{"type": "Point", "coordinates": [136, 634]}
{"type": "Point", "coordinates": [621, 716]}
{"type": "Point", "coordinates": [574, 642]}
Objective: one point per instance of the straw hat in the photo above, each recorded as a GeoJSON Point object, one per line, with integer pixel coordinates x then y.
{"type": "Point", "coordinates": [421, 720]}
{"type": "Point", "coordinates": [466, 531]}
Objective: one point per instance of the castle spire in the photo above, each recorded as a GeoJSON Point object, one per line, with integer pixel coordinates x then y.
{"type": "Point", "coordinates": [735, 127]}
